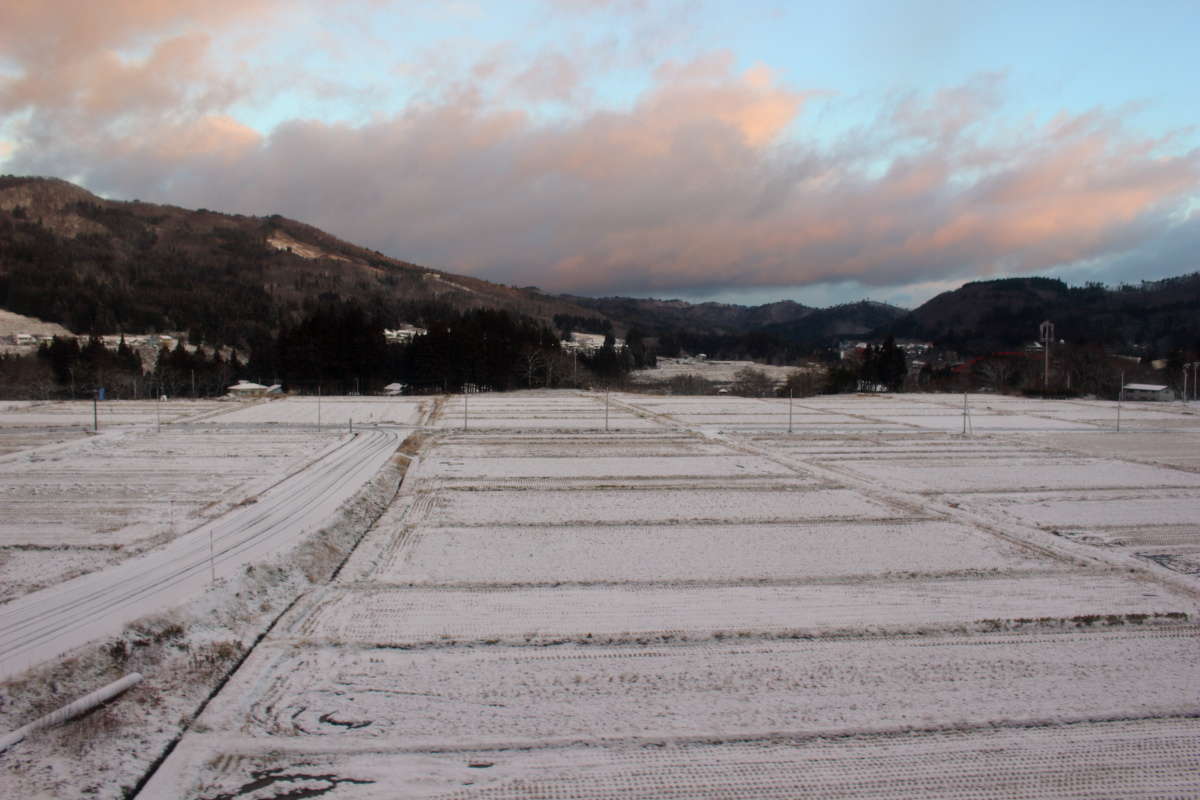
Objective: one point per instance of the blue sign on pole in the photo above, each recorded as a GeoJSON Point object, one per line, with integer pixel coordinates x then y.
{"type": "Point", "coordinates": [102, 393]}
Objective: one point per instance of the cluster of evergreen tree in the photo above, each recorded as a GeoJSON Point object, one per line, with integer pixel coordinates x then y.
{"type": "Point", "coordinates": [337, 347]}
{"type": "Point", "coordinates": [485, 348]}
{"type": "Point", "coordinates": [883, 365]}
{"type": "Point", "coordinates": [63, 369]}
{"type": "Point", "coordinates": [760, 346]}
{"type": "Point", "coordinates": [180, 372]}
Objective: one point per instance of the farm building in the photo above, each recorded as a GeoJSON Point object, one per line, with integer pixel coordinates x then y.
{"type": "Point", "coordinates": [1148, 391]}
{"type": "Point", "coordinates": [251, 389]}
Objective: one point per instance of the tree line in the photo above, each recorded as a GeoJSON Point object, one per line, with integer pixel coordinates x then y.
{"type": "Point", "coordinates": [63, 369]}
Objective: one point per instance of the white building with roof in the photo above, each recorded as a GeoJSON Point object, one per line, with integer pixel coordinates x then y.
{"type": "Point", "coordinates": [1148, 391]}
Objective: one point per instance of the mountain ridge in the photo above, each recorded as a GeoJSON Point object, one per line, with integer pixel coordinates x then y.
{"type": "Point", "coordinates": [105, 266]}
{"type": "Point", "coordinates": [91, 264]}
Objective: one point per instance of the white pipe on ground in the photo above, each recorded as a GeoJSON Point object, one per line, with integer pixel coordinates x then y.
{"type": "Point", "coordinates": [80, 706]}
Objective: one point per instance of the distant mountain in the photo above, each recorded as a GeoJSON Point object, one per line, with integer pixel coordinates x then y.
{"type": "Point", "coordinates": [984, 316]}
{"type": "Point", "coordinates": [823, 326]}
{"type": "Point", "coordinates": [95, 265]}
{"type": "Point", "coordinates": [789, 321]}
{"type": "Point", "coordinates": [90, 264]}
{"type": "Point", "coordinates": [658, 316]}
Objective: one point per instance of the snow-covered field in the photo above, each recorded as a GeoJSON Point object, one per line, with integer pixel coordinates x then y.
{"type": "Point", "coordinates": [486, 697]}
{"type": "Point", "coordinates": [711, 370]}
{"type": "Point", "coordinates": [84, 414]}
{"type": "Point", "coordinates": [391, 615]}
{"type": "Point", "coordinates": [70, 508]}
{"type": "Point", "coordinates": [677, 552]}
{"type": "Point", "coordinates": [898, 413]}
{"type": "Point", "coordinates": [531, 411]}
{"type": "Point", "coordinates": [336, 412]}
{"type": "Point", "coordinates": [1118, 759]}
{"type": "Point", "coordinates": [73, 500]}
{"type": "Point", "coordinates": [691, 603]}
{"type": "Point", "coordinates": [698, 604]}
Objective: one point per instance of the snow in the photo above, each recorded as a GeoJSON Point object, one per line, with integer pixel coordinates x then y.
{"type": "Point", "coordinates": [1099, 509]}
{"type": "Point", "coordinates": [716, 371]}
{"type": "Point", "coordinates": [45, 624]}
{"type": "Point", "coordinates": [329, 411]}
{"type": "Point", "coordinates": [538, 410]}
{"type": "Point", "coordinates": [1124, 759]}
{"type": "Point", "coordinates": [408, 616]}
{"type": "Point", "coordinates": [616, 467]}
{"type": "Point", "coordinates": [992, 477]}
{"type": "Point", "coordinates": [698, 604]}
{"type": "Point", "coordinates": [677, 552]}
{"type": "Point", "coordinates": [107, 497]}
{"type": "Point", "coordinates": [434, 698]}
{"type": "Point", "coordinates": [540, 506]}
{"type": "Point", "coordinates": [109, 414]}
{"type": "Point", "coordinates": [183, 654]}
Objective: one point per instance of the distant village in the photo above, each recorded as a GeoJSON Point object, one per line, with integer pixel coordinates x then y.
{"type": "Point", "coordinates": [922, 360]}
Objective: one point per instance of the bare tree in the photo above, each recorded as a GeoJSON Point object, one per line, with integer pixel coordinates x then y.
{"type": "Point", "coordinates": [804, 382]}
{"type": "Point", "coordinates": [751, 382]}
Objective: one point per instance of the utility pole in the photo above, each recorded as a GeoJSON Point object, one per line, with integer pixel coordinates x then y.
{"type": "Point", "coordinates": [1120, 397]}
{"type": "Point", "coordinates": [95, 411]}
{"type": "Point", "coordinates": [466, 394]}
{"type": "Point", "coordinates": [790, 393]}
{"type": "Point", "coordinates": [606, 407]}
{"type": "Point", "coordinates": [1046, 330]}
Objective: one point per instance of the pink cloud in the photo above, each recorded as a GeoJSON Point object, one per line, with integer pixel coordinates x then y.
{"type": "Point", "coordinates": [70, 52]}
{"type": "Point", "coordinates": [708, 179]}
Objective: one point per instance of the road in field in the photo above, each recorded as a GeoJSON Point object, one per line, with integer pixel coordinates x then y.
{"type": "Point", "coordinates": [50, 622]}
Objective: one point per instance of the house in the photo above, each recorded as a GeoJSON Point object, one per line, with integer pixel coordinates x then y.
{"type": "Point", "coordinates": [403, 335]}
{"type": "Point", "coordinates": [1147, 391]}
{"type": "Point", "coordinates": [251, 389]}
{"type": "Point", "coordinates": [588, 343]}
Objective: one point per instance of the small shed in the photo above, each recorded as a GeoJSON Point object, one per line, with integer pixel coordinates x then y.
{"type": "Point", "coordinates": [1148, 391]}
{"type": "Point", "coordinates": [248, 389]}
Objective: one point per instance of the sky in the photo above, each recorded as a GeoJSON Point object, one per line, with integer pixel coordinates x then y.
{"type": "Point", "coordinates": [742, 152]}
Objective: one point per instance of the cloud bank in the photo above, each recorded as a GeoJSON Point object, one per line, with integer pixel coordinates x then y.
{"type": "Point", "coordinates": [716, 176]}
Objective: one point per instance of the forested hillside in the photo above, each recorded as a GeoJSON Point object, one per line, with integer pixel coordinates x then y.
{"type": "Point", "coordinates": [1154, 317]}
{"type": "Point", "coordinates": [103, 266]}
